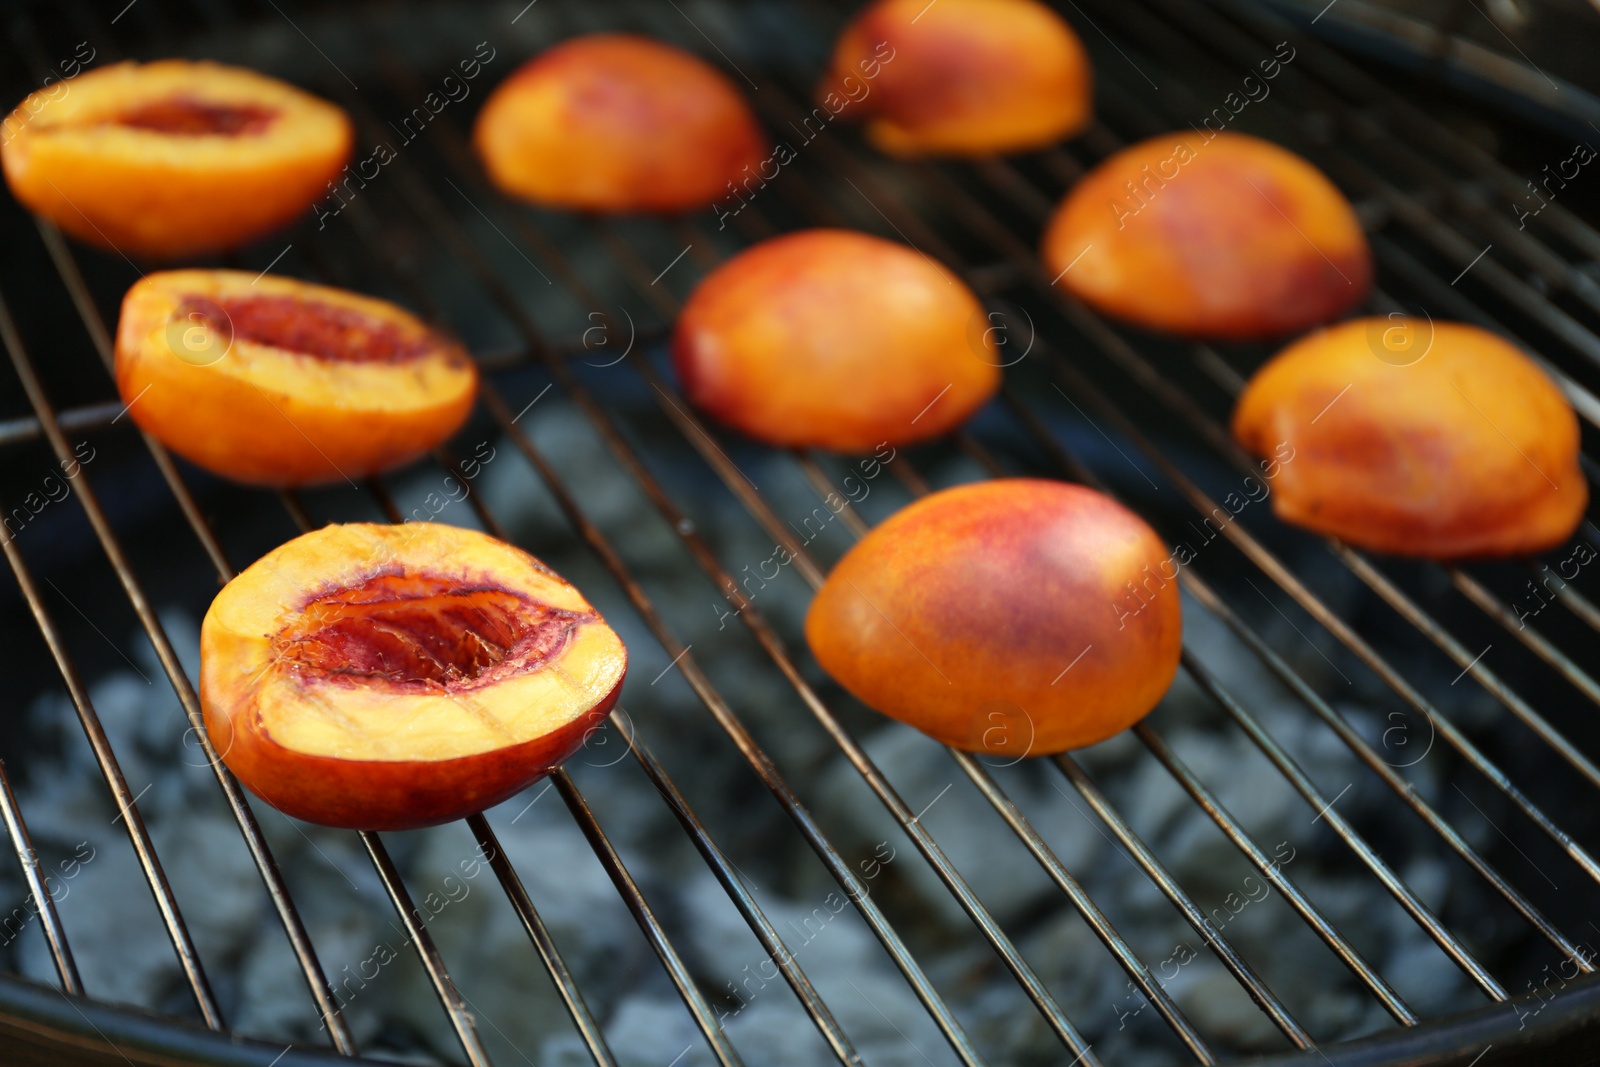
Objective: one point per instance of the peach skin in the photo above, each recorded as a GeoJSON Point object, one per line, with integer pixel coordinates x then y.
{"type": "Point", "coordinates": [837, 340]}
{"type": "Point", "coordinates": [272, 381]}
{"type": "Point", "coordinates": [959, 77]}
{"type": "Point", "coordinates": [1229, 237]}
{"type": "Point", "coordinates": [1014, 617]}
{"type": "Point", "coordinates": [1437, 440]}
{"type": "Point", "coordinates": [383, 677]}
{"type": "Point", "coordinates": [174, 158]}
{"type": "Point", "coordinates": [613, 122]}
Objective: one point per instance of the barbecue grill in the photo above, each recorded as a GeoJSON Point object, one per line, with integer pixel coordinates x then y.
{"type": "Point", "coordinates": [1459, 697]}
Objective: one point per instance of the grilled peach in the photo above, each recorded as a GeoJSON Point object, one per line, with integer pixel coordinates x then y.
{"type": "Point", "coordinates": [1015, 617]}
{"type": "Point", "coordinates": [616, 123]}
{"type": "Point", "coordinates": [274, 381]}
{"type": "Point", "coordinates": [390, 677]}
{"type": "Point", "coordinates": [959, 77]}
{"type": "Point", "coordinates": [170, 159]}
{"type": "Point", "coordinates": [1222, 236]}
{"type": "Point", "coordinates": [835, 339]}
{"type": "Point", "coordinates": [1425, 439]}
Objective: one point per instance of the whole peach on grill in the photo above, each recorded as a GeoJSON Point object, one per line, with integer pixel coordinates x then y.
{"type": "Point", "coordinates": [389, 677]}
{"type": "Point", "coordinates": [1210, 235]}
{"type": "Point", "coordinates": [835, 339]}
{"type": "Point", "coordinates": [1418, 438]}
{"type": "Point", "coordinates": [1016, 617]}
{"type": "Point", "coordinates": [617, 123]}
{"type": "Point", "coordinates": [959, 77]}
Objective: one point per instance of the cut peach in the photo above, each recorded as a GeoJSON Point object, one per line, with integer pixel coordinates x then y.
{"type": "Point", "coordinates": [274, 381]}
{"type": "Point", "coordinates": [1210, 235]}
{"type": "Point", "coordinates": [838, 340]}
{"type": "Point", "coordinates": [174, 158]}
{"type": "Point", "coordinates": [1437, 440]}
{"type": "Point", "coordinates": [1014, 617]}
{"type": "Point", "coordinates": [959, 77]}
{"type": "Point", "coordinates": [390, 677]}
{"type": "Point", "coordinates": [617, 123]}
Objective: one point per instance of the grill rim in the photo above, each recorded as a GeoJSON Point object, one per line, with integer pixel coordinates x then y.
{"type": "Point", "coordinates": [295, 509]}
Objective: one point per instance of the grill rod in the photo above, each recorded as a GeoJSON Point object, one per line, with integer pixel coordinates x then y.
{"type": "Point", "coordinates": [571, 997]}
{"type": "Point", "coordinates": [17, 830]}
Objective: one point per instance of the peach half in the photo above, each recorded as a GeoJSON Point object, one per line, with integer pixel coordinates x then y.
{"type": "Point", "coordinates": [389, 677]}
{"type": "Point", "coordinates": [1216, 235]}
{"type": "Point", "coordinates": [1437, 440]}
{"type": "Point", "coordinates": [1015, 617]}
{"type": "Point", "coordinates": [174, 158]}
{"type": "Point", "coordinates": [614, 122]}
{"type": "Point", "coordinates": [960, 77]}
{"type": "Point", "coordinates": [837, 340]}
{"type": "Point", "coordinates": [273, 381]}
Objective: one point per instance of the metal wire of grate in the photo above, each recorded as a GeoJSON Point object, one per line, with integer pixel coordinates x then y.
{"type": "Point", "coordinates": [981, 220]}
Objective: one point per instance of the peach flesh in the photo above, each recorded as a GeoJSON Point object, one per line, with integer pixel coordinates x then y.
{"type": "Point", "coordinates": [183, 116]}
{"type": "Point", "coordinates": [316, 329]}
{"type": "Point", "coordinates": [421, 632]}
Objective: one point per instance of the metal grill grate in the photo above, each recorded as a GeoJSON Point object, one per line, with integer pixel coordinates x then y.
{"type": "Point", "coordinates": [1422, 189]}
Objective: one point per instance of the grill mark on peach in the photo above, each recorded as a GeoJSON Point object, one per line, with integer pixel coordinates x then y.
{"type": "Point", "coordinates": [423, 633]}
{"type": "Point", "coordinates": [482, 714]}
{"type": "Point", "coordinates": [322, 331]}
{"type": "Point", "coordinates": [186, 116]}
